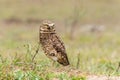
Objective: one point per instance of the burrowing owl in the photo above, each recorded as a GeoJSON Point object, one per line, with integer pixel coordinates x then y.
{"type": "Point", "coordinates": [52, 45]}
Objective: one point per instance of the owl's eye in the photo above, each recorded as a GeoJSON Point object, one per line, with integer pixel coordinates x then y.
{"type": "Point", "coordinates": [48, 27]}
{"type": "Point", "coordinates": [52, 27]}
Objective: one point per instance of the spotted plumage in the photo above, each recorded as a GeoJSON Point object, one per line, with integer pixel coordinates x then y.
{"type": "Point", "coordinates": [52, 46]}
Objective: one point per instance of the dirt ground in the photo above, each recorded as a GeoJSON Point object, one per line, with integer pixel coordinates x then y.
{"type": "Point", "coordinates": [93, 77]}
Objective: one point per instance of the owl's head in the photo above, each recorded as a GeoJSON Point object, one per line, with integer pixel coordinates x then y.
{"type": "Point", "coordinates": [47, 27]}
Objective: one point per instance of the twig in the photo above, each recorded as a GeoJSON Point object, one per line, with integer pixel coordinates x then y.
{"type": "Point", "coordinates": [36, 52]}
{"type": "Point", "coordinates": [78, 61]}
{"type": "Point", "coordinates": [118, 67]}
{"type": "Point", "coordinates": [1, 58]}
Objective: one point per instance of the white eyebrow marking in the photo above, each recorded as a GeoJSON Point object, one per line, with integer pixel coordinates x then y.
{"type": "Point", "coordinates": [52, 24]}
{"type": "Point", "coordinates": [41, 28]}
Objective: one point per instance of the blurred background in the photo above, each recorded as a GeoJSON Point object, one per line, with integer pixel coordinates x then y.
{"type": "Point", "coordinates": [68, 14]}
{"type": "Point", "coordinates": [89, 28]}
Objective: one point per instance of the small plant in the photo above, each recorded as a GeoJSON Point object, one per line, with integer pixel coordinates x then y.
{"type": "Point", "coordinates": [21, 75]}
{"type": "Point", "coordinates": [63, 76]}
{"type": "Point", "coordinates": [78, 78]}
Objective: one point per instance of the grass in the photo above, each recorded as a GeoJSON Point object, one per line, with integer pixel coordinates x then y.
{"type": "Point", "coordinates": [98, 56]}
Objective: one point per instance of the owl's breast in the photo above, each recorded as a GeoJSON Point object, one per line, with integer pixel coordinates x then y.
{"type": "Point", "coordinates": [45, 40]}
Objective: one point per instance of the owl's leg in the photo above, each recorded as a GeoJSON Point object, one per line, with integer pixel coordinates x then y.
{"type": "Point", "coordinates": [53, 63]}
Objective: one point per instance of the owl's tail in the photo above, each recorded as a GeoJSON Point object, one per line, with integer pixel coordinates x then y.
{"type": "Point", "coordinates": [64, 60]}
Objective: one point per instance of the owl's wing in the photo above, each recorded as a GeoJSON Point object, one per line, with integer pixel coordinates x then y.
{"type": "Point", "coordinates": [60, 49]}
{"type": "Point", "coordinates": [58, 45]}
